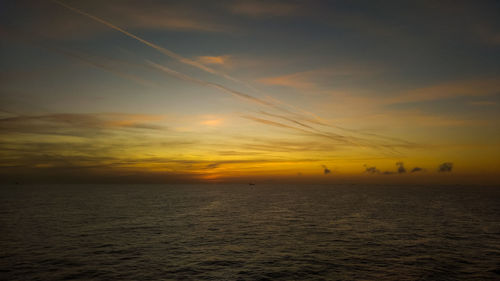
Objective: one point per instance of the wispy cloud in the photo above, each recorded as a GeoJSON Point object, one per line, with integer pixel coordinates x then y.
{"type": "Point", "coordinates": [169, 15]}
{"type": "Point", "coordinates": [214, 60]}
{"type": "Point", "coordinates": [296, 80]}
{"type": "Point", "coordinates": [273, 123]}
{"type": "Point", "coordinates": [132, 14]}
{"type": "Point", "coordinates": [288, 146]}
{"type": "Point", "coordinates": [482, 103]}
{"type": "Point", "coordinates": [333, 137]}
{"type": "Point", "coordinates": [209, 84]}
{"type": "Point", "coordinates": [289, 119]}
{"type": "Point", "coordinates": [488, 34]}
{"type": "Point", "coordinates": [159, 48]}
{"type": "Point", "coordinates": [473, 88]}
{"type": "Point", "coordinates": [337, 138]}
{"type": "Point", "coordinates": [302, 123]}
{"type": "Point", "coordinates": [54, 123]}
{"type": "Point", "coordinates": [320, 80]}
{"type": "Point", "coordinates": [415, 117]}
{"type": "Point", "coordinates": [45, 167]}
{"type": "Point", "coordinates": [259, 8]}
{"type": "Point", "coordinates": [106, 67]}
{"type": "Point", "coordinates": [212, 122]}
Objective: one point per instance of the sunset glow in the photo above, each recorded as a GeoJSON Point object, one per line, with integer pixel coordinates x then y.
{"type": "Point", "coordinates": [181, 91]}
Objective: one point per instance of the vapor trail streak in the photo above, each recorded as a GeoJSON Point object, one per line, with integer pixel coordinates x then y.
{"type": "Point", "coordinates": [183, 60]}
{"type": "Point", "coordinates": [349, 140]}
{"type": "Point", "coordinates": [150, 44]}
{"type": "Point", "coordinates": [211, 71]}
{"type": "Point", "coordinates": [209, 84]}
{"type": "Point", "coordinates": [132, 77]}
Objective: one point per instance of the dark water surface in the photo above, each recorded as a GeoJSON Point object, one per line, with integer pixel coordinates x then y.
{"type": "Point", "coordinates": [240, 232]}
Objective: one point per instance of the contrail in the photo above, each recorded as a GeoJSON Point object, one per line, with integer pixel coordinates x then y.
{"type": "Point", "coordinates": [26, 38]}
{"type": "Point", "coordinates": [350, 140]}
{"type": "Point", "coordinates": [150, 44]}
{"type": "Point", "coordinates": [117, 72]}
{"type": "Point", "coordinates": [182, 60]}
{"type": "Point", "coordinates": [210, 70]}
{"type": "Point", "coordinates": [287, 119]}
{"type": "Point", "coordinates": [210, 84]}
{"type": "Point", "coordinates": [338, 138]}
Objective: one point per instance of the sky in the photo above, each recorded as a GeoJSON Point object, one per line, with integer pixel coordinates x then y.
{"type": "Point", "coordinates": [404, 92]}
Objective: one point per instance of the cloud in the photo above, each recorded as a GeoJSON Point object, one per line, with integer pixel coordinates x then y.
{"type": "Point", "coordinates": [215, 60]}
{"type": "Point", "coordinates": [287, 146]}
{"type": "Point", "coordinates": [452, 89]}
{"type": "Point", "coordinates": [212, 165]}
{"type": "Point", "coordinates": [301, 80]}
{"type": "Point", "coordinates": [61, 166]}
{"type": "Point", "coordinates": [340, 138]}
{"type": "Point", "coordinates": [417, 169]}
{"type": "Point", "coordinates": [168, 15]}
{"type": "Point", "coordinates": [445, 167]}
{"type": "Point", "coordinates": [220, 87]}
{"type": "Point", "coordinates": [482, 103]}
{"type": "Point", "coordinates": [320, 80]}
{"type": "Point", "coordinates": [101, 65]}
{"type": "Point", "coordinates": [488, 35]}
{"type": "Point", "coordinates": [296, 113]}
{"type": "Point", "coordinates": [331, 135]}
{"type": "Point", "coordinates": [64, 122]}
{"type": "Point", "coordinates": [255, 8]}
{"type": "Point", "coordinates": [401, 168]}
{"type": "Point", "coordinates": [133, 14]}
{"type": "Point", "coordinates": [418, 118]}
{"type": "Point", "coordinates": [160, 49]}
{"type": "Point", "coordinates": [337, 138]}
{"type": "Point", "coordinates": [287, 119]}
{"type": "Point", "coordinates": [272, 123]}
{"type": "Point", "coordinates": [326, 171]}
{"type": "Point", "coordinates": [212, 122]}
{"type": "Point", "coordinates": [371, 170]}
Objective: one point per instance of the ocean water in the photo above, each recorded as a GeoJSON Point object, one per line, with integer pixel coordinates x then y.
{"type": "Point", "coordinates": [242, 232]}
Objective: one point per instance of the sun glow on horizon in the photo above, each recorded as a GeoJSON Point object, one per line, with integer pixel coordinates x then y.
{"type": "Point", "coordinates": [232, 92]}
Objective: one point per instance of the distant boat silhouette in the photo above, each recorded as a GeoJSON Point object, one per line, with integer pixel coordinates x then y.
{"type": "Point", "coordinates": [251, 183]}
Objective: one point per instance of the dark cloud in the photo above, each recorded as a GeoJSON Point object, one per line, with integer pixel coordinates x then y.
{"type": "Point", "coordinates": [326, 171]}
{"type": "Point", "coordinates": [417, 169]}
{"type": "Point", "coordinates": [371, 170]}
{"type": "Point", "coordinates": [212, 166]}
{"type": "Point", "coordinates": [445, 167]}
{"type": "Point", "coordinates": [401, 168]}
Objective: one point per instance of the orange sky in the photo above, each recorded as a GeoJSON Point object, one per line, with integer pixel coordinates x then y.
{"type": "Point", "coordinates": [292, 91]}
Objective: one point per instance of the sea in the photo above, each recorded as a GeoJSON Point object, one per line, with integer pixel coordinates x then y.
{"type": "Point", "coordinates": [249, 232]}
